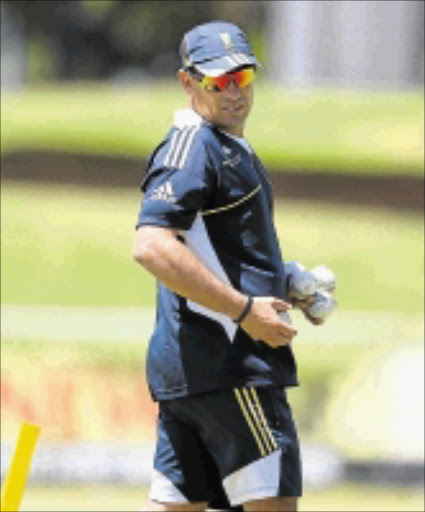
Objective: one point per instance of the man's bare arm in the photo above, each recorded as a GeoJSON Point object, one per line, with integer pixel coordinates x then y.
{"type": "Point", "coordinates": [159, 251]}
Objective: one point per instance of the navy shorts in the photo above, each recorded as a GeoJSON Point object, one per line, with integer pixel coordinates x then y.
{"type": "Point", "coordinates": [226, 447]}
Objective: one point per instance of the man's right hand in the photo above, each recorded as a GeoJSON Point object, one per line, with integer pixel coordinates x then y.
{"type": "Point", "coordinates": [264, 324]}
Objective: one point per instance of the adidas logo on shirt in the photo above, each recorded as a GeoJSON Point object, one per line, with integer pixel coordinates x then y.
{"type": "Point", "coordinates": [233, 161]}
{"type": "Point", "coordinates": [164, 192]}
{"type": "Point", "coordinates": [230, 160]}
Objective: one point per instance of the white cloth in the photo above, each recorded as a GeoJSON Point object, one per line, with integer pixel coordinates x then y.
{"type": "Point", "coordinates": [188, 117]}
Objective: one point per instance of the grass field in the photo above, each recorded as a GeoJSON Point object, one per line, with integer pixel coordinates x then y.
{"type": "Point", "coordinates": [325, 368]}
{"type": "Point", "coordinates": [70, 245]}
{"type": "Point", "coordinates": [323, 129]}
{"type": "Point", "coordinates": [347, 497]}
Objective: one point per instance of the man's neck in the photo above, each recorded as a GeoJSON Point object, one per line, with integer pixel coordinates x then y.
{"type": "Point", "coordinates": [236, 131]}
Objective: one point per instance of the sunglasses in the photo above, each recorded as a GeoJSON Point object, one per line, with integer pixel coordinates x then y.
{"type": "Point", "coordinates": [241, 78]}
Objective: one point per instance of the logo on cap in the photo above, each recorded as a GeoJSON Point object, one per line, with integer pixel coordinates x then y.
{"type": "Point", "coordinates": [227, 41]}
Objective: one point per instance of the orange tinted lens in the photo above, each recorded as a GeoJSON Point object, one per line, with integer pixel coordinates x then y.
{"type": "Point", "coordinates": [244, 77]}
{"type": "Point", "coordinates": [241, 78]}
{"type": "Point", "coordinates": [213, 82]}
{"type": "Point", "coordinates": [221, 82]}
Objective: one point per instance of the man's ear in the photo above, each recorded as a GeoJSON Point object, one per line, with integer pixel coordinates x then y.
{"type": "Point", "coordinates": [185, 81]}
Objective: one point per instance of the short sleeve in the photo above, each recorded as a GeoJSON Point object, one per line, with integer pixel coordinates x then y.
{"type": "Point", "coordinates": [179, 181]}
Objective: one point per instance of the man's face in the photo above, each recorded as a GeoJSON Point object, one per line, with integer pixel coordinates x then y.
{"type": "Point", "coordinates": [227, 109]}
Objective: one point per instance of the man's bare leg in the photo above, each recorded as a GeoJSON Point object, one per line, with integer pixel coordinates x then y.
{"type": "Point", "coordinates": [174, 507]}
{"type": "Point", "coordinates": [282, 504]}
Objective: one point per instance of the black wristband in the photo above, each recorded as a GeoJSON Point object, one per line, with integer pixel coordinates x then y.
{"type": "Point", "coordinates": [245, 311]}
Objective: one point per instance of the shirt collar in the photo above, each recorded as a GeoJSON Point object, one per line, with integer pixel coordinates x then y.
{"type": "Point", "coordinates": [240, 140]}
{"type": "Point", "coordinates": [187, 117]}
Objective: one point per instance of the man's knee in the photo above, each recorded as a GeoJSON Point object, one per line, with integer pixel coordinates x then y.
{"type": "Point", "coordinates": [156, 506]}
{"type": "Point", "coordinates": [279, 504]}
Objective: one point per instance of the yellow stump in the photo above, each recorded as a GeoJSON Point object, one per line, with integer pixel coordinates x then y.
{"type": "Point", "coordinates": [14, 484]}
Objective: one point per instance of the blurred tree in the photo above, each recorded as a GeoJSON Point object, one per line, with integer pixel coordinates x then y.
{"type": "Point", "coordinates": [88, 39]}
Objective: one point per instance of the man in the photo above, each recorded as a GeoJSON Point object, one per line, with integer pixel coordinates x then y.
{"type": "Point", "coordinates": [219, 358]}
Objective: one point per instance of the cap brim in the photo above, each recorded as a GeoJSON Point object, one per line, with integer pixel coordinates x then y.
{"type": "Point", "coordinates": [222, 65]}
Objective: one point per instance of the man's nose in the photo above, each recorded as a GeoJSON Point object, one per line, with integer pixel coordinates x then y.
{"type": "Point", "coordinates": [233, 91]}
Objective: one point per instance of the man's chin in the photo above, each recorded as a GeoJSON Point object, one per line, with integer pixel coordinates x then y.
{"type": "Point", "coordinates": [231, 120]}
{"type": "Point", "coordinates": [237, 112]}
{"type": "Point", "coordinates": [235, 117]}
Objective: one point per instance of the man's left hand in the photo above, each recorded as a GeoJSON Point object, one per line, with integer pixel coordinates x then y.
{"type": "Point", "coordinates": [303, 304]}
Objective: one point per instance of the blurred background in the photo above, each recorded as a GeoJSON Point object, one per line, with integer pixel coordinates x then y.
{"type": "Point", "coordinates": [88, 88]}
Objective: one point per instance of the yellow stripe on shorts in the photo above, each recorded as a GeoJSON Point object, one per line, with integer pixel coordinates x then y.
{"type": "Point", "coordinates": [251, 425]}
{"type": "Point", "coordinates": [254, 415]}
{"type": "Point", "coordinates": [257, 419]}
{"type": "Point", "coordinates": [263, 417]}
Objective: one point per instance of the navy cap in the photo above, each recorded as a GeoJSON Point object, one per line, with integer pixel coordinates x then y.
{"type": "Point", "coordinates": [216, 48]}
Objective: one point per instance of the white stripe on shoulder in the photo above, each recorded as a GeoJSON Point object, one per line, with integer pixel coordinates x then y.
{"type": "Point", "coordinates": [171, 147]}
{"type": "Point", "coordinates": [187, 147]}
{"type": "Point", "coordinates": [181, 142]}
{"type": "Point", "coordinates": [183, 134]}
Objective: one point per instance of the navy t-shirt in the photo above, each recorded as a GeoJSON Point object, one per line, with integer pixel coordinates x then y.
{"type": "Point", "coordinates": [216, 192]}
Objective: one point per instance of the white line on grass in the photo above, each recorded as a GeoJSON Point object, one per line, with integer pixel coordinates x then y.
{"type": "Point", "coordinates": [133, 324]}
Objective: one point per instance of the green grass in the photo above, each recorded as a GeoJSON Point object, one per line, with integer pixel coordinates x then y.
{"type": "Point", "coordinates": [70, 245]}
{"type": "Point", "coordinates": [322, 129]}
{"type": "Point", "coordinates": [345, 497]}
{"type": "Point", "coordinates": [123, 357]}
{"type": "Point", "coordinates": [378, 255]}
